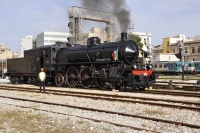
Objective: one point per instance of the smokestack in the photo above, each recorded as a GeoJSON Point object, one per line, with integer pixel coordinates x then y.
{"type": "Point", "coordinates": [123, 36]}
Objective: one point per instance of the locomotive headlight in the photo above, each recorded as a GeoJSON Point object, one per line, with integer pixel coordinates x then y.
{"type": "Point", "coordinates": [135, 66]}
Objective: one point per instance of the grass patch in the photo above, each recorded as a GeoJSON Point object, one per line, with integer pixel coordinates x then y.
{"type": "Point", "coordinates": [107, 129]}
{"type": "Point", "coordinates": [30, 122]}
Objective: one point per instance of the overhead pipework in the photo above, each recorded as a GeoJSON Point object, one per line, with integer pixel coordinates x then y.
{"type": "Point", "coordinates": [78, 14]}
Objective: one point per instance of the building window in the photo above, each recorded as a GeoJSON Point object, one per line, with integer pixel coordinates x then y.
{"type": "Point", "coordinates": [199, 50]}
{"type": "Point", "coordinates": [173, 51]}
{"type": "Point", "coordinates": [160, 66]}
{"type": "Point", "coordinates": [165, 66]}
{"type": "Point", "coordinates": [167, 43]}
{"type": "Point", "coordinates": [193, 50]}
{"type": "Point", "coordinates": [186, 50]}
{"type": "Point", "coordinates": [167, 51]}
{"type": "Point", "coordinates": [192, 59]}
{"type": "Point", "coordinates": [155, 66]}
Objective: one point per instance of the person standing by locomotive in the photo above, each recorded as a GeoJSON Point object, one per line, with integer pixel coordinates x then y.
{"type": "Point", "coordinates": [42, 77]}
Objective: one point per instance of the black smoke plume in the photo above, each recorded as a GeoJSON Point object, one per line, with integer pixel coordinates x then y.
{"type": "Point", "coordinates": [118, 7]}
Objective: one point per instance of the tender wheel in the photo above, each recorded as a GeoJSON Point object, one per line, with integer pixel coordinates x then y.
{"type": "Point", "coordinates": [17, 80]}
{"type": "Point", "coordinates": [59, 79]}
{"type": "Point", "coordinates": [141, 88]}
{"type": "Point", "coordinates": [34, 80]}
{"type": "Point", "coordinates": [12, 80]}
{"type": "Point", "coordinates": [102, 77]}
{"type": "Point", "coordinates": [29, 80]}
{"type": "Point", "coordinates": [86, 77]}
{"type": "Point", "coordinates": [25, 80]}
{"type": "Point", "coordinates": [21, 82]}
{"type": "Point", "coordinates": [72, 76]}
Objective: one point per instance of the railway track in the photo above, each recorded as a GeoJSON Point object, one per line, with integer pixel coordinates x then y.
{"type": "Point", "coordinates": [116, 97]}
{"type": "Point", "coordinates": [103, 111]}
{"type": "Point", "coordinates": [154, 91]}
{"type": "Point", "coordinates": [173, 93]}
{"type": "Point", "coordinates": [177, 84]}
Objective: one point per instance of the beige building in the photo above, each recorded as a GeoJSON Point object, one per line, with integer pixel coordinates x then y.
{"type": "Point", "coordinates": [167, 42]}
{"type": "Point", "coordinates": [166, 46]}
{"type": "Point", "coordinates": [191, 50]}
{"type": "Point", "coordinates": [191, 47]}
{"type": "Point", "coordinates": [5, 53]}
{"type": "Point", "coordinates": [97, 32]}
{"type": "Point", "coordinates": [94, 32]}
{"type": "Point", "coordinates": [158, 49]}
{"type": "Point", "coordinates": [15, 55]}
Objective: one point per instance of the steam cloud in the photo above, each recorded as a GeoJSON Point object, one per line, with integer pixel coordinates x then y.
{"type": "Point", "coordinates": [118, 7]}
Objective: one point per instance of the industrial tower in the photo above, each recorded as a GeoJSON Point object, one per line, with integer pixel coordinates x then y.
{"type": "Point", "coordinates": [78, 14]}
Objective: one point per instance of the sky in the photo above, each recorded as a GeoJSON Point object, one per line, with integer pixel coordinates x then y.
{"type": "Point", "coordinates": [161, 18]}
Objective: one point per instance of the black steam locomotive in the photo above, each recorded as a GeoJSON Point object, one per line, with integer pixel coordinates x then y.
{"type": "Point", "coordinates": [106, 65]}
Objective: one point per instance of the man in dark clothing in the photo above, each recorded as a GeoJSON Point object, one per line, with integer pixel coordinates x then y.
{"type": "Point", "coordinates": [42, 77]}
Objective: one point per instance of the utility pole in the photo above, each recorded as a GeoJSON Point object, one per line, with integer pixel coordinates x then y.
{"type": "Point", "coordinates": [183, 64]}
{"type": "Point", "coordinates": [6, 52]}
{"type": "Point", "coordinates": [2, 68]}
{"type": "Point", "coordinates": [182, 53]}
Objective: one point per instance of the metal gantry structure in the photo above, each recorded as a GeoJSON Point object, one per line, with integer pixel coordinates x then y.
{"type": "Point", "coordinates": [182, 55]}
{"type": "Point", "coordinates": [78, 14]}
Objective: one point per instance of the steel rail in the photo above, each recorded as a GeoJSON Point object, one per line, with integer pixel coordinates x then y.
{"type": "Point", "coordinates": [171, 92]}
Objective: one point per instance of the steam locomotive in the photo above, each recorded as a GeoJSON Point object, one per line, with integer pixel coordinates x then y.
{"type": "Point", "coordinates": [105, 65]}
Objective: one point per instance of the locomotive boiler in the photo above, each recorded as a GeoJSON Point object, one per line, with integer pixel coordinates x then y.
{"type": "Point", "coordinates": [95, 53]}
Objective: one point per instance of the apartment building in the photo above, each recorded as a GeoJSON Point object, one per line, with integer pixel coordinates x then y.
{"type": "Point", "coordinates": [50, 37]}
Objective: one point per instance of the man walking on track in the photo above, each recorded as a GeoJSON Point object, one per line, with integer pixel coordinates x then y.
{"type": "Point", "coordinates": [42, 77]}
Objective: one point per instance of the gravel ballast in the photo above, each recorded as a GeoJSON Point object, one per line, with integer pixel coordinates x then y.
{"type": "Point", "coordinates": [179, 115]}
